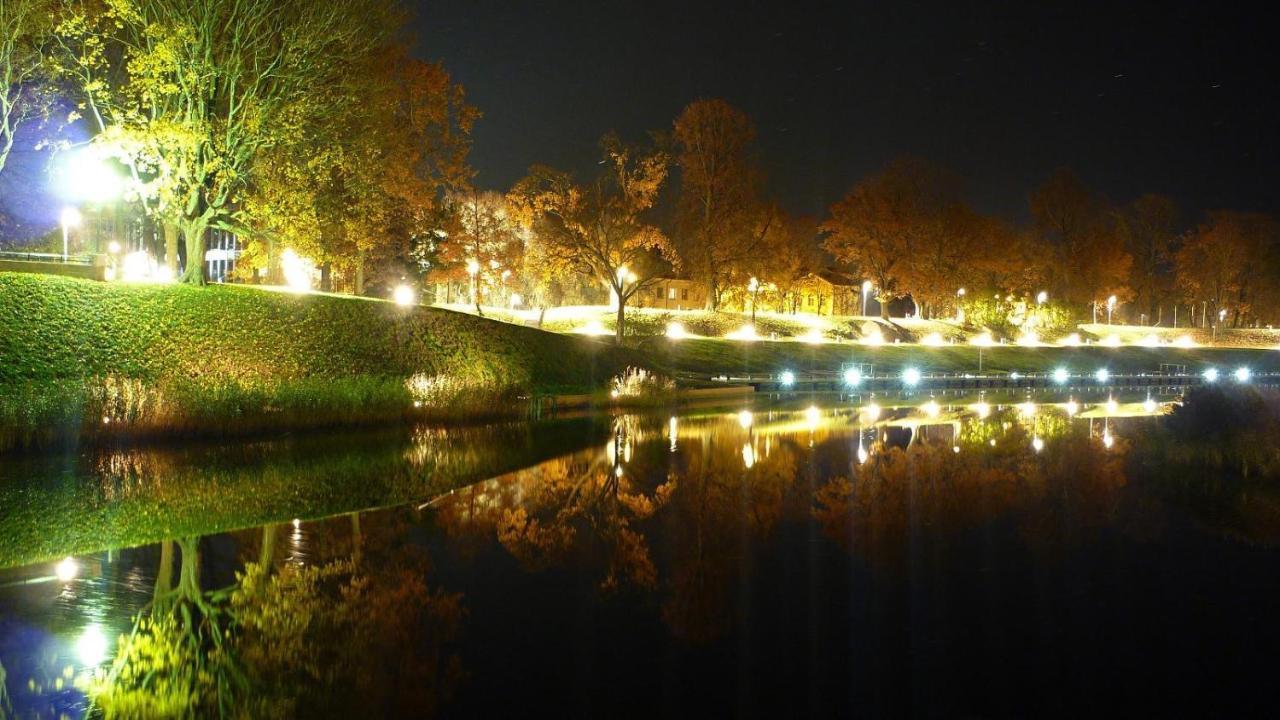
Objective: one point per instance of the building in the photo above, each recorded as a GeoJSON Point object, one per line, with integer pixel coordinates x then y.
{"type": "Point", "coordinates": [672, 294]}
{"type": "Point", "coordinates": [829, 292]}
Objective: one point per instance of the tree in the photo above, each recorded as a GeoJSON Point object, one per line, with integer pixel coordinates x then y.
{"type": "Point", "coordinates": [599, 229]}
{"type": "Point", "coordinates": [718, 206]}
{"type": "Point", "coordinates": [1088, 262]}
{"type": "Point", "coordinates": [191, 93]}
{"type": "Point", "coordinates": [1228, 263]}
{"type": "Point", "coordinates": [1148, 228]}
{"type": "Point", "coordinates": [485, 244]}
{"type": "Point", "coordinates": [878, 225]}
{"type": "Point", "coordinates": [25, 31]}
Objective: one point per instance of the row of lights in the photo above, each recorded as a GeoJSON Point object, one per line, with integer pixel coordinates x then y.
{"type": "Point", "coordinates": [912, 376]}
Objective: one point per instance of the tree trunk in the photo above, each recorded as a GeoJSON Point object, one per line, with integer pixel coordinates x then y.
{"type": "Point", "coordinates": [710, 304]}
{"type": "Point", "coordinates": [164, 574]}
{"type": "Point", "coordinates": [884, 308]}
{"type": "Point", "coordinates": [171, 249]}
{"type": "Point", "coordinates": [357, 539]}
{"type": "Point", "coordinates": [189, 575]}
{"type": "Point", "coordinates": [542, 313]}
{"type": "Point", "coordinates": [622, 318]}
{"type": "Point", "coordinates": [194, 233]}
{"type": "Point", "coordinates": [267, 553]}
{"type": "Point", "coordinates": [360, 272]}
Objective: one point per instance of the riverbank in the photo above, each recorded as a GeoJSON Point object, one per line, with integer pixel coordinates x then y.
{"type": "Point", "coordinates": [83, 360]}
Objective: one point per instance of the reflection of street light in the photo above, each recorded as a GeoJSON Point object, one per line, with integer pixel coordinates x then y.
{"type": "Point", "coordinates": [866, 288]}
{"type": "Point", "coordinates": [70, 218]}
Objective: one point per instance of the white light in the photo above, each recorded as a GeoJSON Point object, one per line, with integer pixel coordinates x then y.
{"type": "Point", "coordinates": [67, 569]}
{"type": "Point", "coordinates": [1111, 341]}
{"type": "Point", "coordinates": [1014, 375]}
{"type": "Point", "coordinates": [1061, 375]}
{"type": "Point", "coordinates": [745, 419]}
{"type": "Point", "coordinates": [1037, 444]}
{"type": "Point", "coordinates": [515, 301]}
{"type": "Point", "coordinates": [137, 265]}
{"type": "Point", "coordinates": [863, 455]}
{"type": "Point", "coordinates": [853, 377]}
{"type": "Point", "coordinates": [872, 411]}
{"type": "Point", "coordinates": [1112, 406]}
{"type": "Point", "coordinates": [297, 271]}
{"type": "Point", "coordinates": [787, 378]}
{"type": "Point", "coordinates": [748, 455]}
{"type": "Point", "coordinates": [1185, 341]}
{"type": "Point", "coordinates": [87, 177]}
{"type": "Point", "coordinates": [812, 415]}
{"type": "Point", "coordinates": [911, 376]}
{"type": "Point", "coordinates": [933, 340]}
{"type": "Point", "coordinates": [1107, 440]}
{"type": "Point", "coordinates": [746, 333]}
{"type": "Point", "coordinates": [1027, 408]}
{"type": "Point", "coordinates": [70, 217]}
{"type": "Point", "coordinates": [1029, 339]}
{"type": "Point", "coordinates": [955, 449]}
{"type": "Point", "coordinates": [874, 338]}
{"type": "Point", "coordinates": [866, 286]}
{"type": "Point", "coordinates": [91, 646]}
{"type": "Point", "coordinates": [1242, 374]}
{"type": "Point", "coordinates": [981, 409]}
{"type": "Point", "coordinates": [1042, 297]}
{"type": "Point", "coordinates": [1073, 407]}
{"type": "Point", "coordinates": [1150, 405]}
{"type": "Point", "coordinates": [813, 337]}
{"type": "Point", "coordinates": [1072, 340]}
{"type": "Point", "coordinates": [931, 409]}
{"type": "Point", "coordinates": [675, 331]}
{"type": "Point", "coordinates": [595, 327]}
{"type": "Point", "coordinates": [983, 340]}
{"type": "Point", "coordinates": [1211, 375]}
{"type": "Point", "coordinates": [1152, 340]}
{"type": "Point", "coordinates": [403, 295]}
{"type": "Point", "coordinates": [1102, 375]}
{"type": "Point", "coordinates": [113, 247]}
{"type": "Point", "coordinates": [473, 267]}
{"type": "Point", "coordinates": [1111, 301]}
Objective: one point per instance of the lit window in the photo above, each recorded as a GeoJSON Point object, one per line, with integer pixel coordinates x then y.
{"type": "Point", "coordinates": [671, 293]}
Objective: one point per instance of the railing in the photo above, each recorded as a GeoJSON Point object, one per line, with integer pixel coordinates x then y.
{"type": "Point", "coordinates": [46, 257]}
{"type": "Point", "coordinates": [832, 380]}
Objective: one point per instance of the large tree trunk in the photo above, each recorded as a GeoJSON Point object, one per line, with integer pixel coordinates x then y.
{"type": "Point", "coordinates": [359, 272]}
{"type": "Point", "coordinates": [884, 307]}
{"type": "Point", "coordinates": [164, 574]}
{"type": "Point", "coordinates": [194, 233]}
{"type": "Point", "coordinates": [171, 248]}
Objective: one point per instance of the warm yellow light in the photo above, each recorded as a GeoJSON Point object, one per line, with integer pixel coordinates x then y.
{"type": "Point", "coordinates": [113, 247]}
{"type": "Point", "coordinates": [933, 340]}
{"type": "Point", "coordinates": [746, 333]}
{"type": "Point", "coordinates": [1072, 340]}
{"type": "Point", "coordinates": [403, 295]}
{"type": "Point", "coordinates": [872, 412]}
{"type": "Point", "coordinates": [748, 455]}
{"type": "Point", "coordinates": [595, 327]}
{"type": "Point", "coordinates": [297, 271]}
{"type": "Point", "coordinates": [982, 340]}
{"type": "Point", "coordinates": [515, 300]}
{"type": "Point", "coordinates": [67, 569]}
{"type": "Point", "coordinates": [1151, 340]}
{"type": "Point", "coordinates": [981, 409]}
{"type": "Point", "coordinates": [1037, 444]}
{"type": "Point", "coordinates": [1027, 408]}
{"type": "Point", "coordinates": [1185, 341]}
{"type": "Point", "coordinates": [1073, 407]}
{"type": "Point", "coordinates": [1029, 339]}
{"type": "Point", "coordinates": [873, 338]}
{"type": "Point", "coordinates": [931, 409]}
{"type": "Point", "coordinates": [1111, 341]}
{"type": "Point", "coordinates": [745, 419]}
{"type": "Point", "coordinates": [1107, 440]}
{"type": "Point", "coordinates": [473, 266]}
{"type": "Point", "coordinates": [1150, 405]}
{"type": "Point", "coordinates": [812, 415]}
{"type": "Point", "coordinates": [1112, 406]}
{"type": "Point", "coordinates": [813, 337]}
{"type": "Point", "coordinates": [675, 331]}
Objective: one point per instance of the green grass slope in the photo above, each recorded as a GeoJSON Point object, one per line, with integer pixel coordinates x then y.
{"type": "Point", "coordinates": [87, 358]}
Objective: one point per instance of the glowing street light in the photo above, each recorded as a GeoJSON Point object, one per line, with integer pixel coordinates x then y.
{"type": "Point", "coordinates": [403, 295]}
{"type": "Point", "coordinates": [853, 377]}
{"type": "Point", "coordinates": [675, 331]}
{"type": "Point", "coordinates": [1042, 297]}
{"type": "Point", "coordinates": [981, 409]}
{"type": "Point", "coordinates": [1242, 375]}
{"type": "Point", "coordinates": [473, 267]}
{"type": "Point", "coordinates": [67, 569]}
{"type": "Point", "coordinates": [1102, 375]}
{"type": "Point", "coordinates": [1061, 375]}
{"type": "Point", "coordinates": [1111, 305]}
{"type": "Point", "coordinates": [866, 288]}
{"type": "Point", "coordinates": [1037, 444]}
{"type": "Point", "coordinates": [745, 419]}
{"type": "Point", "coordinates": [931, 408]}
{"type": "Point", "coordinates": [911, 376]}
{"type": "Point", "coordinates": [787, 378]}
{"type": "Point", "coordinates": [1210, 375]}
{"type": "Point", "coordinates": [70, 218]}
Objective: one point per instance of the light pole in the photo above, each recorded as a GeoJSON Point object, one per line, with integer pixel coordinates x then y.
{"type": "Point", "coordinates": [1111, 305]}
{"type": "Point", "coordinates": [866, 288]}
{"type": "Point", "coordinates": [752, 288]}
{"type": "Point", "coordinates": [1042, 298]}
{"type": "Point", "coordinates": [959, 309]}
{"type": "Point", "coordinates": [70, 218]}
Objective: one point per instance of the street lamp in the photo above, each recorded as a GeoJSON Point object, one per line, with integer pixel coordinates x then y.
{"type": "Point", "coordinates": [752, 287]}
{"type": "Point", "coordinates": [70, 218]}
{"type": "Point", "coordinates": [866, 288]}
{"type": "Point", "coordinates": [1042, 298]}
{"type": "Point", "coordinates": [1111, 305]}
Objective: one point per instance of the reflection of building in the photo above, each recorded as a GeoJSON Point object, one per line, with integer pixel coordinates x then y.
{"type": "Point", "coordinates": [672, 294]}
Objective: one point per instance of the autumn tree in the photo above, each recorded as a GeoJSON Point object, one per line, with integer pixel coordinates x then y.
{"type": "Point", "coordinates": [600, 229]}
{"type": "Point", "coordinates": [191, 93]}
{"type": "Point", "coordinates": [718, 211]}
{"type": "Point", "coordinates": [1228, 264]}
{"type": "Point", "coordinates": [25, 33]}
{"type": "Point", "coordinates": [1148, 228]}
{"type": "Point", "coordinates": [885, 218]}
{"type": "Point", "coordinates": [1088, 262]}
{"type": "Point", "coordinates": [787, 252]}
{"type": "Point", "coordinates": [485, 246]}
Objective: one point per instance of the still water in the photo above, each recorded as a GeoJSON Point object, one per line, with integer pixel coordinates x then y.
{"type": "Point", "coordinates": [945, 556]}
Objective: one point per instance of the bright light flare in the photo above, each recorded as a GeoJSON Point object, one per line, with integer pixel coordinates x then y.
{"type": "Point", "coordinates": [70, 217]}
{"type": "Point", "coordinates": [1027, 408]}
{"type": "Point", "coordinates": [813, 337]}
{"type": "Point", "coordinates": [1037, 444]}
{"type": "Point", "coordinates": [67, 569]}
{"type": "Point", "coordinates": [746, 333]}
{"type": "Point", "coordinates": [1107, 440]}
{"type": "Point", "coordinates": [853, 377]}
{"type": "Point", "coordinates": [981, 409]}
{"type": "Point", "coordinates": [595, 327]}
{"type": "Point", "coordinates": [1061, 376]}
{"type": "Point", "coordinates": [1150, 405]}
{"type": "Point", "coordinates": [931, 408]}
{"type": "Point", "coordinates": [1072, 340]}
{"type": "Point", "coordinates": [812, 415]}
{"type": "Point", "coordinates": [872, 411]}
{"type": "Point", "coordinates": [1112, 406]}
{"type": "Point", "coordinates": [1242, 375]}
{"type": "Point", "coordinates": [1072, 408]}
{"type": "Point", "coordinates": [982, 340]}
{"type": "Point", "coordinates": [933, 340]}
{"type": "Point", "coordinates": [404, 296]}
{"type": "Point", "coordinates": [675, 331]}
{"type": "Point", "coordinates": [748, 456]}
{"type": "Point", "coordinates": [1210, 375]}
{"type": "Point", "coordinates": [1184, 341]}
{"type": "Point", "coordinates": [1102, 375]}
{"type": "Point", "coordinates": [873, 338]}
{"type": "Point", "coordinates": [1111, 341]}
{"type": "Point", "coordinates": [787, 378]}
{"type": "Point", "coordinates": [91, 646]}
{"type": "Point", "coordinates": [1029, 339]}
{"type": "Point", "coordinates": [911, 376]}
{"type": "Point", "coordinates": [745, 419]}
{"type": "Point", "coordinates": [1152, 340]}
{"type": "Point", "coordinates": [297, 271]}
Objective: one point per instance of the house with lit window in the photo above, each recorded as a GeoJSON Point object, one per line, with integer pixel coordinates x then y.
{"type": "Point", "coordinates": [828, 292]}
{"type": "Point", "coordinates": [672, 294]}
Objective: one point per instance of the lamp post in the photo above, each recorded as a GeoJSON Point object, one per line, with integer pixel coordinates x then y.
{"type": "Point", "coordinates": [866, 288]}
{"type": "Point", "coordinates": [959, 309]}
{"type": "Point", "coordinates": [70, 218]}
{"type": "Point", "coordinates": [752, 288]}
{"type": "Point", "coordinates": [1042, 298]}
{"type": "Point", "coordinates": [1111, 305]}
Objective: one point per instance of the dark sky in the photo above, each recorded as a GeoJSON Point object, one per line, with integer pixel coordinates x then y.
{"type": "Point", "coordinates": [1180, 100]}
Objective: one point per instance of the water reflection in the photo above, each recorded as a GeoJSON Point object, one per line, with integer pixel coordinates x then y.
{"type": "Point", "coordinates": [815, 545]}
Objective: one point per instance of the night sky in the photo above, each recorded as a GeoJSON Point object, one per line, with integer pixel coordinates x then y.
{"type": "Point", "coordinates": [1180, 100]}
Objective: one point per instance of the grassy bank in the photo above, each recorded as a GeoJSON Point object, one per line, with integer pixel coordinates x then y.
{"type": "Point", "coordinates": [713, 357]}
{"type": "Point", "coordinates": [87, 359]}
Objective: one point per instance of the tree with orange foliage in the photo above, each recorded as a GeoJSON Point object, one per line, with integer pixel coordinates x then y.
{"type": "Point", "coordinates": [600, 229]}
{"type": "Point", "coordinates": [1228, 263]}
{"type": "Point", "coordinates": [1087, 260]}
{"type": "Point", "coordinates": [718, 211]}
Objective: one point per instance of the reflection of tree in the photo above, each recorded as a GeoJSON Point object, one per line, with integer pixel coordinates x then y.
{"type": "Point", "coordinates": [929, 493]}
{"type": "Point", "coordinates": [287, 640]}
